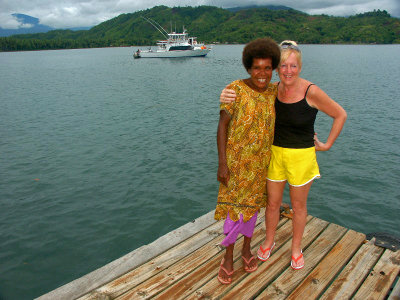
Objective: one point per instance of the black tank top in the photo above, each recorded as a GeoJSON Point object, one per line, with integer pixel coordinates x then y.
{"type": "Point", "coordinates": [294, 125]}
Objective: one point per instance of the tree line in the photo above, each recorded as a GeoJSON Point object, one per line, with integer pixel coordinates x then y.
{"type": "Point", "coordinates": [216, 25]}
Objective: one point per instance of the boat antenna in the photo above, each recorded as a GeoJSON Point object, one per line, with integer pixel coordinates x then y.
{"type": "Point", "coordinates": [157, 26]}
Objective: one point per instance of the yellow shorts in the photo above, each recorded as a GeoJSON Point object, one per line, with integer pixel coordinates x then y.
{"type": "Point", "coordinates": [297, 166]}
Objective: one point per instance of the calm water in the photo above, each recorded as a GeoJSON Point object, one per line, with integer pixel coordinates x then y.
{"type": "Point", "coordinates": [101, 154]}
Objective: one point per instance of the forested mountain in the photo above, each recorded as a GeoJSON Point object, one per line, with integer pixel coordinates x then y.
{"type": "Point", "coordinates": [216, 25]}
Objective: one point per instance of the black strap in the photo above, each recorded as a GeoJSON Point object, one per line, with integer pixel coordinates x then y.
{"type": "Point", "coordinates": [307, 89]}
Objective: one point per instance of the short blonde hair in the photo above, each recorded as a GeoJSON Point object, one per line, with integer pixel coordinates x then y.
{"type": "Point", "coordinates": [288, 47]}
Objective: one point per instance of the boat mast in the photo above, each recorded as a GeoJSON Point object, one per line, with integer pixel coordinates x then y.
{"type": "Point", "coordinates": [157, 26]}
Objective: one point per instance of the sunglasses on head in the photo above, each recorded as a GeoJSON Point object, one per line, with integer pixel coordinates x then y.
{"type": "Point", "coordinates": [290, 46]}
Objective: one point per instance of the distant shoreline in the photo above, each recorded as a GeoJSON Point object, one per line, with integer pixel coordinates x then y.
{"type": "Point", "coordinates": [225, 27]}
{"type": "Point", "coordinates": [213, 44]}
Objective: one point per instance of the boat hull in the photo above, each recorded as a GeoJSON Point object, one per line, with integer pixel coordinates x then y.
{"type": "Point", "coordinates": [169, 54]}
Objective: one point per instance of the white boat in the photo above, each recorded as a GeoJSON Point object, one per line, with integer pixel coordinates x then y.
{"type": "Point", "coordinates": [175, 45]}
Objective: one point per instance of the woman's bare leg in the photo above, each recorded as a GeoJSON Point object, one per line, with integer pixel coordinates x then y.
{"type": "Point", "coordinates": [272, 211]}
{"type": "Point", "coordinates": [298, 198]}
{"type": "Point", "coordinates": [246, 252]}
{"type": "Point", "coordinates": [228, 262]}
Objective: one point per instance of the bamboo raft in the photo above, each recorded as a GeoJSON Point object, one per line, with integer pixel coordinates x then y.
{"type": "Point", "coordinates": [339, 264]}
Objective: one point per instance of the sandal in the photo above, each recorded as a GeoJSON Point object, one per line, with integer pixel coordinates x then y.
{"type": "Point", "coordinates": [247, 264]}
{"type": "Point", "coordinates": [296, 260]}
{"type": "Point", "coordinates": [222, 280]}
{"type": "Point", "coordinates": [268, 251]}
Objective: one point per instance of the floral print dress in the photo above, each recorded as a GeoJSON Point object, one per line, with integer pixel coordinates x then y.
{"type": "Point", "coordinates": [248, 151]}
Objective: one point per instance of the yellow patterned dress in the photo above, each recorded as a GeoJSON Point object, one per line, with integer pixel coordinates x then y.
{"type": "Point", "coordinates": [248, 151]}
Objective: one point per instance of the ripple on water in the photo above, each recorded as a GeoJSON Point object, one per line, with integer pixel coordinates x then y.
{"type": "Point", "coordinates": [101, 154]}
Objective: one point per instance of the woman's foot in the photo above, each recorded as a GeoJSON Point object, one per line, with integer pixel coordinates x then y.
{"type": "Point", "coordinates": [249, 263]}
{"type": "Point", "coordinates": [297, 261]}
{"type": "Point", "coordinates": [224, 275]}
{"type": "Point", "coordinates": [264, 253]}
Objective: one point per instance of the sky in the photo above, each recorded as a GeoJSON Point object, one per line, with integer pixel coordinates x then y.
{"type": "Point", "coordinates": [88, 13]}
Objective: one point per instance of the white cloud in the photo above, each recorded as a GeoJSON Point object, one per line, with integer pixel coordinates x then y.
{"type": "Point", "coordinates": [77, 13]}
{"type": "Point", "coordinates": [346, 8]}
{"type": "Point", "coordinates": [26, 25]}
{"type": "Point", "coordinates": [7, 21]}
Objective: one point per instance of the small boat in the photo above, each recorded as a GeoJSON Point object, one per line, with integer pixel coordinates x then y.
{"type": "Point", "coordinates": [175, 45]}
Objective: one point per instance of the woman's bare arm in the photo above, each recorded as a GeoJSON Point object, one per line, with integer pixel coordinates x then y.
{"type": "Point", "coordinates": [319, 99]}
{"type": "Point", "coordinates": [223, 174]}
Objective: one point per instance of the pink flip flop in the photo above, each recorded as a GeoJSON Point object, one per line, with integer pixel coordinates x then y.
{"type": "Point", "coordinates": [222, 280]}
{"type": "Point", "coordinates": [247, 263]}
{"type": "Point", "coordinates": [268, 251]}
{"type": "Point", "coordinates": [296, 260]}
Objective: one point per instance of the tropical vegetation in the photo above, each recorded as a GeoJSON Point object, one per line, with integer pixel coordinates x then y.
{"type": "Point", "coordinates": [216, 25]}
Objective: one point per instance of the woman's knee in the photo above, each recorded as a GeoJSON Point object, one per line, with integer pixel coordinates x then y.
{"type": "Point", "coordinates": [299, 208]}
{"type": "Point", "coordinates": [273, 204]}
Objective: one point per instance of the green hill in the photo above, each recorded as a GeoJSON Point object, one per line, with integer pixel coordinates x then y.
{"type": "Point", "coordinates": [216, 25]}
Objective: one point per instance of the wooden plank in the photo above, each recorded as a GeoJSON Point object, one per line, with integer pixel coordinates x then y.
{"type": "Point", "coordinates": [395, 294]}
{"type": "Point", "coordinates": [212, 289]}
{"type": "Point", "coordinates": [290, 278]}
{"type": "Point", "coordinates": [209, 272]}
{"type": "Point", "coordinates": [353, 275]}
{"type": "Point", "coordinates": [254, 283]}
{"type": "Point", "coordinates": [173, 274]}
{"type": "Point", "coordinates": [338, 266]}
{"type": "Point", "coordinates": [156, 265]}
{"type": "Point", "coordinates": [381, 278]}
{"type": "Point", "coordinates": [133, 259]}
{"type": "Point", "coordinates": [186, 265]}
{"type": "Point", "coordinates": [326, 270]}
